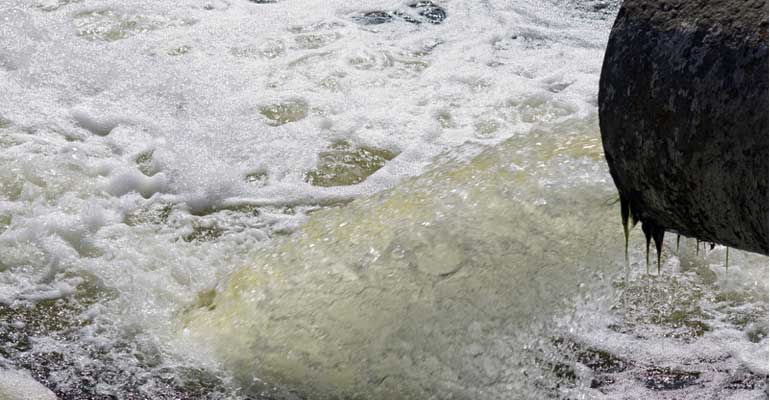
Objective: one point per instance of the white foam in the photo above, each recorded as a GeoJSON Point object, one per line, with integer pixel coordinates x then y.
{"type": "Point", "coordinates": [203, 102]}
{"type": "Point", "coordinates": [135, 181]}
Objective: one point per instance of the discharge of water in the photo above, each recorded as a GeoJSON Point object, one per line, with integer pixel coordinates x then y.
{"type": "Point", "coordinates": [234, 199]}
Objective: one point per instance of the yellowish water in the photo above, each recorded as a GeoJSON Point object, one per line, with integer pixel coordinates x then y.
{"type": "Point", "coordinates": [421, 290]}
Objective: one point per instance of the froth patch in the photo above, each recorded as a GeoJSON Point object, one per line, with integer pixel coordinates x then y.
{"type": "Point", "coordinates": [135, 181]}
{"type": "Point", "coordinates": [98, 125]}
{"type": "Point", "coordinates": [8, 63]}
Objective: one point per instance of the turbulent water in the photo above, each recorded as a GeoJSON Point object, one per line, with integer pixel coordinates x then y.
{"type": "Point", "coordinates": [300, 199]}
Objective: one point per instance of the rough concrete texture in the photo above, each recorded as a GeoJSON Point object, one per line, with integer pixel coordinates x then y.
{"type": "Point", "coordinates": [683, 106]}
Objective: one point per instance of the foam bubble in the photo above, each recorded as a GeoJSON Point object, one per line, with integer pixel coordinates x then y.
{"type": "Point", "coordinates": [135, 181]}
